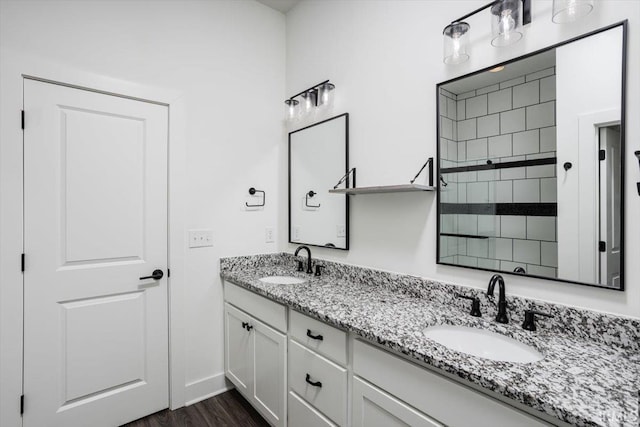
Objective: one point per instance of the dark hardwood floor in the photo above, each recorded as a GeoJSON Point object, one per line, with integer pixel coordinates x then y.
{"type": "Point", "coordinates": [226, 409]}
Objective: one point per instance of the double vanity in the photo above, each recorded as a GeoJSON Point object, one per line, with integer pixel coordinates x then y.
{"type": "Point", "coordinates": [352, 346]}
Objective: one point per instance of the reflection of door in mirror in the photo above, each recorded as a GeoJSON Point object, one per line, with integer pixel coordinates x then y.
{"type": "Point", "coordinates": [610, 205]}
{"type": "Point", "coordinates": [317, 160]}
{"type": "Point", "coordinates": [531, 154]}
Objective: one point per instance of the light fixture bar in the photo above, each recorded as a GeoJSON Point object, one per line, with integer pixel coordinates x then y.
{"type": "Point", "coordinates": [526, 11]}
{"type": "Point", "coordinates": [314, 87]}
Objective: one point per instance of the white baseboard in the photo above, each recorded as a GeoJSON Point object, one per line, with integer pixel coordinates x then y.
{"type": "Point", "coordinates": [206, 388]}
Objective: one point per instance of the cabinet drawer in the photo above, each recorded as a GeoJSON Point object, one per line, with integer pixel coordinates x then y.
{"type": "Point", "coordinates": [301, 414]}
{"type": "Point", "coordinates": [373, 407]}
{"type": "Point", "coordinates": [318, 336]}
{"type": "Point", "coordinates": [434, 394]}
{"type": "Point", "coordinates": [329, 395]}
{"type": "Point", "coordinates": [261, 308]}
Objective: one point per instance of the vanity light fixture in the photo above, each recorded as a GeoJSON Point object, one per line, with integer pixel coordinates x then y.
{"type": "Point", "coordinates": [507, 19]}
{"type": "Point", "coordinates": [315, 96]}
{"type": "Point", "coordinates": [566, 11]}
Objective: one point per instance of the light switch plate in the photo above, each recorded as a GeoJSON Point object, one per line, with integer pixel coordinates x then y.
{"type": "Point", "coordinates": [200, 238]}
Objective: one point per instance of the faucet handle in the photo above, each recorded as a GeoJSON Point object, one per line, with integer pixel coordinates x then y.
{"type": "Point", "coordinates": [529, 323]}
{"type": "Point", "coordinates": [319, 270]}
{"type": "Point", "coordinates": [475, 305]}
{"type": "Point", "coordinates": [300, 266]}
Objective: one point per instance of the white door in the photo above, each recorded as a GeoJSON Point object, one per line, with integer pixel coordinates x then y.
{"type": "Point", "coordinates": [610, 206]}
{"type": "Point", "coordinates": [95, 221]}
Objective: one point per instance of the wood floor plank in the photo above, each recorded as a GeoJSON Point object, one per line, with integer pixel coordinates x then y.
{"type": "Point", "coordinates": [228, 409]}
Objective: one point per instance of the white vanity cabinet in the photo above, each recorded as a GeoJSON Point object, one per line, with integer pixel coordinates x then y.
{"type": "Point", "coordinates": [256, 353]}
{"type": "Point", "coordinates": [305, 373]}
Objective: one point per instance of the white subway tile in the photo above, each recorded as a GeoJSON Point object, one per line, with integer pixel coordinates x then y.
{"type": "Point", "coordinates": [512, 173]}
{"type": "Point", "coordinates": [478, 247]}
{"type": "Point", "coordinates": [526, 191]}
{"type": "Point", "coordinates": [466, 95]}
{"type": "Point", "coordinates": [548, 89]}
{"type": "Point", "coordinates": [451, 109]}
{"type": "Point", "coordinates": [467, 261]}
{"type": "Point", "coordinates": [489, 175]}
{"type": "Point", "coordinates": [478, 192]}
{"type": "Point", "coordinates": [459, 244]}
{"type": "Point", "coordinates": [501, 249]}
{"type": "Point", "coordinates": [526, 142]}
{"type": "Point", "coordinates": [541, 115]}
{"type": "Point", "coordinates": [477, 149]}
{"type": "Point", "coordinates": [476, 106]}
{"type": "Point", "coordinates": [540, 74]}
{"type": "Point", "coordinates": [446, 223]}
{"type": "Point", "coordinates": [452, 149]}
{"type": "Point", "coordinates": [549, 254]}
{"type": "Point", "coordinates": [500, 101]}
{"type": "Point", "coordinates": [446, 128]}
{"type": "Point", "coordinates": [500, 146]}
{"type": "Point", "coordinates": [462, 192]}
{"type": "Point", "coordinates": [548, 190]}
{"type": "Point", "coordinates": [460, 113]}
{"type": "Point", "coordinates": [513, 226]}
{"type": "Point", "coordinates": [466, 129]}
{"type": "Point", "coordinates": [526, 94]}
{"type": "Point", "coordinates": [541, 228]}
{"type": "Point", "coordinates": [462, 151]}
{"type": "Point", "coordinates": [489, 225]}
{"type": "Point", "coordinates": [444, 149]}
{"type": "Point", "coordinates": [444, 246]}
{"type": "Point", "coordinates": [539, 270]}
{"type": "Point", "coordinates": [512, 121]}
{"type": "Point", "coordinates": [468, 224]}
{"type": "Point", "coordinates": [488, 89]}
{"type": "Point", "coordinates": [548, 139]}
{"type": "Point", "coordinates": [443, 105]}
{"type": "Point", "coordinates": [542, 171]}
{"type": "Point", "coordinates": [501, 192]}
{"type": "Point", "coordinates": [490, 264]}
{"type": "Point", "coordinates": [527, 251]}
{"type": "Point", "coordinates": [488, 125]}
{"type": "Point", "coordinates": [512, 82]}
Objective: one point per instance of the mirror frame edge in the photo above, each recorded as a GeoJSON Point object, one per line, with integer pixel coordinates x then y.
{"type": "Point", "coordinates": [346, 161]}
{"type": "Point", "coordinates": [623, 124]}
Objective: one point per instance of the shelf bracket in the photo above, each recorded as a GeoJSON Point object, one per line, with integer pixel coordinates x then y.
{"type": "Point", "coordinates": [430, 163]}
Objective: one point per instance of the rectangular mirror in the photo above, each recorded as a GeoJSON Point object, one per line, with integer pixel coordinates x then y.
{"type": "Point", "coordinates": [318, 158]}
{"type": "Point", "coordinates": [531, 161]}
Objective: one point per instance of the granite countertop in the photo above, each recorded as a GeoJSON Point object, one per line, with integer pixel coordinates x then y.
{"type": "Point", "coordinates": [580, 381]}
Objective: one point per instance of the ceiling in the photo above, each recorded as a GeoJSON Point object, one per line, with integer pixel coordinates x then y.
{"type": "Point", "coordinates": [283, 6]}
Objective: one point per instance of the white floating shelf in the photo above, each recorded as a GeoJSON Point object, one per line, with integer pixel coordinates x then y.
{"type": "Point", "coordinates": [402, 188]}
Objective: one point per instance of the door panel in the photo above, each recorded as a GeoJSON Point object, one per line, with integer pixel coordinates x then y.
{"type": "Point", "coordinates": [269, 376]}
{"type": "Point", "coordinates": [238, 350]}
{"type": "Point", "coordinates": [95, 206]}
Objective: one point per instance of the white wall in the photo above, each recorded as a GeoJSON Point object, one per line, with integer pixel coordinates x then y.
{"type": "Point", "coordinates": [228, 59]}
{"type": "Point", "coordinates": [385, 58]}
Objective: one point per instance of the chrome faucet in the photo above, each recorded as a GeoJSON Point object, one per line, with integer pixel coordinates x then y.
{"type": "Point", "coordinates": [309, 270]}
{"type": "Point", "coordinates": [501, 317]}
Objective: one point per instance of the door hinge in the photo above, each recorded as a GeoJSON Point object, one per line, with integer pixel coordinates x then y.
{"type": "Point", "coordinates": [602, 246]}
{"type": "Point", "coordinates": [22, 119]}
{"type": "Point", "coordinates": [168, 272]}
{"type": "Point", "coordinates": [22, 262]}
{"type": "Point", "coordinates": [22, 404]}
{"type": "Point", "coordinates": [603, 154]}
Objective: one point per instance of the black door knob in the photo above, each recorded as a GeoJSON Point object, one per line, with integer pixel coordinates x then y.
{"type": "Point", "coordinates": [156, 275]}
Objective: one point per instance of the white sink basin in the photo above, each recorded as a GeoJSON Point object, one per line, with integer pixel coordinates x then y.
{"type": "Point", "coordinates": [283, 280]}
{"type": "Point", "coordinates": [481, 343]}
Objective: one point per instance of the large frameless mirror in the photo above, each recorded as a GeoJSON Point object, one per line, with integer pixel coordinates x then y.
{"type": "Point", "coordinates": [531, 164]}
{"type": "Point", "coordinates": [318, 158]}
